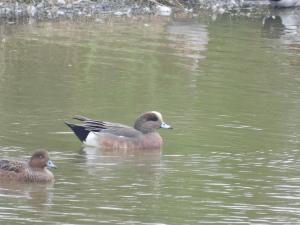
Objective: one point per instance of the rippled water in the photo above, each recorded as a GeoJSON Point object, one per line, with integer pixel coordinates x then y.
{"type": "Point", "coordinates": [229, 85]}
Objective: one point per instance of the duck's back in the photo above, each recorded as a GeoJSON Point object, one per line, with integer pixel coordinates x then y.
{"type": "Point", "coordinates": [11, 169]}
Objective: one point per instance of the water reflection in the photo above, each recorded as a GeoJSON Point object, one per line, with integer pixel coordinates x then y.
{"type": "Point", "coordinates": [98, 159]}
{"type": "Point", "coordinates": [2, 57]}
{"type": "Point", "coordinates": [94, 153]}
{"type": "Point", "coordinates": [19, 198]}
{"type": "Point", "coordinates": [283, 24]}
{"type": "Point", "coordinates": [189, 38]}
{"type": "Point", "coordinates": [234, 157]}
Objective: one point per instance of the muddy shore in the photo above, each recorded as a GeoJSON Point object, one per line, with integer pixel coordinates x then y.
{"type": "Point", "coordinates": [56, 10]}
{"type": "Point", "coordinates": [66, 9]}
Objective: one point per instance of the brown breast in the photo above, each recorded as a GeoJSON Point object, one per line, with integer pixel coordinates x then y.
{"type": "Point", "coordinates": [147, 141]}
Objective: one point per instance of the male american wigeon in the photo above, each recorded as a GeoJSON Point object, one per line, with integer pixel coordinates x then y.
{"type": "Point", "coordinates": [32, 170]}
{"type": "Point", "coordinates": [110, 135]}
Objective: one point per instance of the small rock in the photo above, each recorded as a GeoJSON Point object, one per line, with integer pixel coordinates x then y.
{"type": "Point", "coordinates": [40, 5]}
{"type": "Point", "coordinates": [118, 13]}
{"type": "Point", "coordinates": [61, 2]}
{"type": "Point", "coordinates": [188, 10]}
{"type": "Point", "coordinates": [31, 10]}
{"type": "Point", "coordinates": [146, 9]}
{"type": "Point", "coordinates": [60, 13]}
{"type": "Point", "coordinates": [163, 10]}
{"type": "Point", "coordinates": [124, 13]}
{"type": "Point", "coordinates": [221, 11]}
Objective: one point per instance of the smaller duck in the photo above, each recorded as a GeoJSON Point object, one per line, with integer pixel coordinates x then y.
{"type": "Point", "coordinates": [108, 135]}
{"type": "Point", "coordinates": [32, 170]}
{"type": "Point", "coordinates": [285, 3]}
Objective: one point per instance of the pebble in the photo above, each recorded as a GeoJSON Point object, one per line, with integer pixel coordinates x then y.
{"type": "Point", "coordinates": [163, 10]}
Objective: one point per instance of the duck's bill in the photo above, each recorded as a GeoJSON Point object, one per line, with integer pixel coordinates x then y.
{"type": "Point", "coordinates": [51, 165]}
{"type": "Point", "coordinates": [166, 126]}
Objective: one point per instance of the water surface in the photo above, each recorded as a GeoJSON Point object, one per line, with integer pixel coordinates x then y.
{"type": "Point", "coordinates": [229, 85]}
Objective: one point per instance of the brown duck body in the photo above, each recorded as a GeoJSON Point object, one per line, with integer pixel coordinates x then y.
{"type": "Point", "coordinates": [147, 141]}
{"type": "Point", "coordinates": [110, 135]}
{"type": "Point", "coordinates": [33, 170]}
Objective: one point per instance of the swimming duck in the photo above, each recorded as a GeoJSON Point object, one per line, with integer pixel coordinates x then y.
{"type": "Point", "coordinates": [32, 170]}
{"type": "Point", "coordinates": [109, 135]}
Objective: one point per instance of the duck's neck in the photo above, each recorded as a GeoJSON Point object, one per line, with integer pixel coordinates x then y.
{"type": "Point", "coordinates": [144, 128]}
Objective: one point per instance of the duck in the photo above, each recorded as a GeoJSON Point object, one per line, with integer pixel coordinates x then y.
{"type": "Point", "coordinates": [285, 3]}
{"type": "Point", "coordinates": [33, 170]}
{"type": "Point", "coordinates": [110, 135]}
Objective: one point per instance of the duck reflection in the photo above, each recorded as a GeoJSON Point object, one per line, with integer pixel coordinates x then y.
{"type": "Point", "coordinates": [284, 3]}
{"type": "Point", "coordinates": [97, 155]}
{"type": "Point", "coordinates": [35, 195]}
{"type": "Point", "coordinates": [283, 24]}
{"type": "Point", "coordinates": [99, 161]}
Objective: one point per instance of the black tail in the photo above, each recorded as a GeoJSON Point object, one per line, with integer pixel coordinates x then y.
{"type": "Point", "coordinates": [79, 130]}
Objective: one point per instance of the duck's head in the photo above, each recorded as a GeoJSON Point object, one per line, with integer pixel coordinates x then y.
{"type": "Point", "coordinates": [40, 159]}
{"type": "Point", "coordinates": [150, 121]}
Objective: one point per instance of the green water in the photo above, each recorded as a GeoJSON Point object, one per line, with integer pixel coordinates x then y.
{"type": "Point", "coordinates": [230, 87]}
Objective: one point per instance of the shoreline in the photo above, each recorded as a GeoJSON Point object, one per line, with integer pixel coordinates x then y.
{"type": "Point", "coordinates": [28, 11]}
{"type": "Point", "coordinates": [48, 10]}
